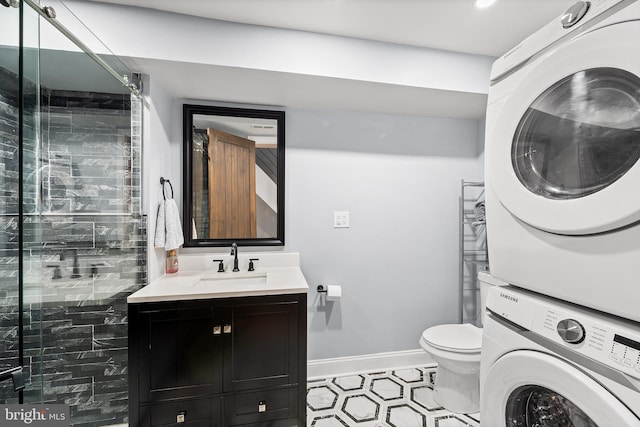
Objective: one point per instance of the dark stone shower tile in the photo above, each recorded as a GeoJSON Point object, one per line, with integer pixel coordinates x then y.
{"type": "Point", "coordinates": [75, 398]}
{"type": "Point", "coordinates": [111, 331]}
{"type": "Point", "coordinates": [59, 378]}
{"type": "Point", "coordinates": [92, 170]}
{"type": "Point", "coordinates": [111, 343]}
{"type": "Point", "coordinates": [76, 344]}
{"type": "Point", "coordinates": [113, 384]}
{"type": "Point", "coordinates": [89, 370]}
{"type": "Point", "coordinates": [88, 318]}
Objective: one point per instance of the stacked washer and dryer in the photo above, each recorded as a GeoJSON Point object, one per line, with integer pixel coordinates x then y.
{"type": "Point", "coordinates": [561, 344]}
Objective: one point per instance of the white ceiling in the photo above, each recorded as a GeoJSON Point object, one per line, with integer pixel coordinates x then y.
{"type": "Point", "coordinates": [443, 24]}
{"type": "Point", "coordinates": [454, 25]}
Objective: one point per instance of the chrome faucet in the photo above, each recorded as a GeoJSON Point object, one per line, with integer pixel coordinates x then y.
{"type": "Point", "coordinates": [234, 252]}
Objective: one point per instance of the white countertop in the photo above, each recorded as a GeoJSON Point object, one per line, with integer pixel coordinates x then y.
{"type": "Point", "coordinates": [280, 273]}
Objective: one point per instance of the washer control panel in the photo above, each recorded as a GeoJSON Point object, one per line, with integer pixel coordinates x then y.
{"type": "Point", "coordinates": [626, 352]}
{"type": "Point", "coordinates": [571, 331]}
{"type": "Point", "coordinates": [609, 340]}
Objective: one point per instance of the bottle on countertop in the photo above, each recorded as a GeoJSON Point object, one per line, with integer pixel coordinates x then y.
{"type": "Point", "coordinates": [172, 261]}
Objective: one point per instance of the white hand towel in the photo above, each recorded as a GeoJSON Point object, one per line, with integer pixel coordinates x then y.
{"type": "Point", "coordinates": [160, 237]}
{"type": "Point", "coordinates": [173, 228]}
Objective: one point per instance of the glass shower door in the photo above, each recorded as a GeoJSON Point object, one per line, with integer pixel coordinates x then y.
{"type": "Point", "coordinates": [18, 118]}
{"type": "Point", "coordinates": [83, 241]}
{"type": "Point", "coordinates": [9, 286]}
{"type": "Point", "coordinates": [72, 233]}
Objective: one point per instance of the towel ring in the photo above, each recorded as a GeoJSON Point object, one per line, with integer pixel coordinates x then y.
{"type": "Point", "coordinates": [162, 181]}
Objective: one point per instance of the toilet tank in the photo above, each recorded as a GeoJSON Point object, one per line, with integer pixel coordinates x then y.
{"type": "Point", "coordinates": [486, 282]}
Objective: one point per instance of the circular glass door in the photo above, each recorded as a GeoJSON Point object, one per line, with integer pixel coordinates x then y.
{"type": "Point", "coordinates": [580, 135]}
{"type": "Point", "coordinates": [537, 406]}
{"type": "Point", "coordinates": [563, 135]}
{"type": "Point", "coordinates": [527, 388]}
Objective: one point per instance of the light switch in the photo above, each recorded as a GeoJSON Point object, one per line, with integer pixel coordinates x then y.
{"type": "Point", "coordinates": [341, 219]}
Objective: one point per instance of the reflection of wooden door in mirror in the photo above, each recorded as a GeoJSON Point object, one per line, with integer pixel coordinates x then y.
{"type": "Point", "coordinates": [232, 186]}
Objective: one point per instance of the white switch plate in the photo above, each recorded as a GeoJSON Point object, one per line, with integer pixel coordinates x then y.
{"type": "Point", "coordinates": [341, 219]}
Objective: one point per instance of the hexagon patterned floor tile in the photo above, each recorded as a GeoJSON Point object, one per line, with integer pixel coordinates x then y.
{"type": "Point", "coordinates": [423, 396]}
{"type": "Point", "coordinates": [452, 420]}
{"type": "Point", "coordinates": [387, 389]}
{"type": "Point", "coordinates": [412, 375]}
{"type": "Point", "coordinates": [398, 398]}
{"type": "Point", "coordinates": [328, 421]}
{"type": "Point", "coordinates": [361, 408]}
{"type": "Point", "coordinates": [321, 397]}
{"type": "Point", "coordinates": [405, 416]}
{"type": "Point", "coordinates": [349, 383]}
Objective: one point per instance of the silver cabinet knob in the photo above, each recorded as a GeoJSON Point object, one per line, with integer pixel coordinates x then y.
{"type": "Point", "coordinates": [227, 329]}
{"type": "Point", "coordinates": [217, 330]}
{"type": "Point", "coordinates": [571, 331]}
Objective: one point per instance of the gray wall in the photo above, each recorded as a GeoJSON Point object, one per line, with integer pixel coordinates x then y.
{"type": "Point", "coordinates": [162, 141]}
{"type": "Point", "coordinates": [399, 177]}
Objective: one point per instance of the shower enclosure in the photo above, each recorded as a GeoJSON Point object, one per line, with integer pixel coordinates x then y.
{"type": "Point", "coordinates": [72, 237]}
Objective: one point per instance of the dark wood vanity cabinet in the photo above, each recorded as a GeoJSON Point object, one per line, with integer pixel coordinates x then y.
{"type": "Point", "coordinates": [218, 362]}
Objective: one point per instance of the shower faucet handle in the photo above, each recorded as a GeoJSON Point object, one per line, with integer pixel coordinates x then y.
{"type": "Point", "coordinates": [94, 269]}
{"type": "Point", "coordinates": [57, 274]}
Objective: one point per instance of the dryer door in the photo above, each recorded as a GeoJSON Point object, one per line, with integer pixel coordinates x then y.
{"type": "Point", "coordinates": [563, 154]}
{"type": "Point", "coordinates": [528, 388]}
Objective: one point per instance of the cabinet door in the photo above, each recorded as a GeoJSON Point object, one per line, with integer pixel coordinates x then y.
{"type": "Point", "coordinates": [262, 348]}
{"type": "Point", "coordinates": [182, 353]}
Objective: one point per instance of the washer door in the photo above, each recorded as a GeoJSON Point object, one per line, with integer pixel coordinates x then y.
{"type": "Point", "coordinates": [530, 389]}
{"type": "Point", "coordinates": [563, 156]}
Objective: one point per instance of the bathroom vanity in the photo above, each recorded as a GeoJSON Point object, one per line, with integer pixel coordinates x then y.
{"type": "Point", "coordinates": [220, 349]}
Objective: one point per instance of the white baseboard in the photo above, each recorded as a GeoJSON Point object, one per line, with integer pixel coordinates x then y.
{"type": "Point", "coordinates": [339, 366]}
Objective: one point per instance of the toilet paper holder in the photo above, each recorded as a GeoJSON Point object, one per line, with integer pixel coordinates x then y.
{"type": "Point", "coordinates": [330, 293]}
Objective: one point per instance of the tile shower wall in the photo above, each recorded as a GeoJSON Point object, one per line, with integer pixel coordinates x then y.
{"type": "Point", "coordinates": [84, 240]}
{"type": "Point", "coordinates": [8, 225]}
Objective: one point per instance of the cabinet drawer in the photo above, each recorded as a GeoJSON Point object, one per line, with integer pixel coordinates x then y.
{"type": "Point", "coordinates": [184, 413]}
{"type": "Point", "coordinates": [256, 407]}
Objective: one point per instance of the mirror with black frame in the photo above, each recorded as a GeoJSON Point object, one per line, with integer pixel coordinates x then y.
{"type": "Point", "coordinates": [233, 176]}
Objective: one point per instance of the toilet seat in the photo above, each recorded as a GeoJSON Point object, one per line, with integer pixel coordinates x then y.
{"type": "Point", "coordinates": [465, 338]}
{"type": "Point", "coordinates": [457, 349]}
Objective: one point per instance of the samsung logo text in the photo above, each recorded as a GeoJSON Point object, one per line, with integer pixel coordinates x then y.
{"type": "Point", "coordinates": [509, 297]}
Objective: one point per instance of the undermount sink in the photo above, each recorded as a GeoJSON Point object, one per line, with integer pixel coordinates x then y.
{"type": "Point", "coordinates": [214, 279]}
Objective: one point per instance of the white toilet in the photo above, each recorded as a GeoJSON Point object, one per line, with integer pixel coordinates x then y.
{"type": "Point", "coordinates": [456, 349]}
